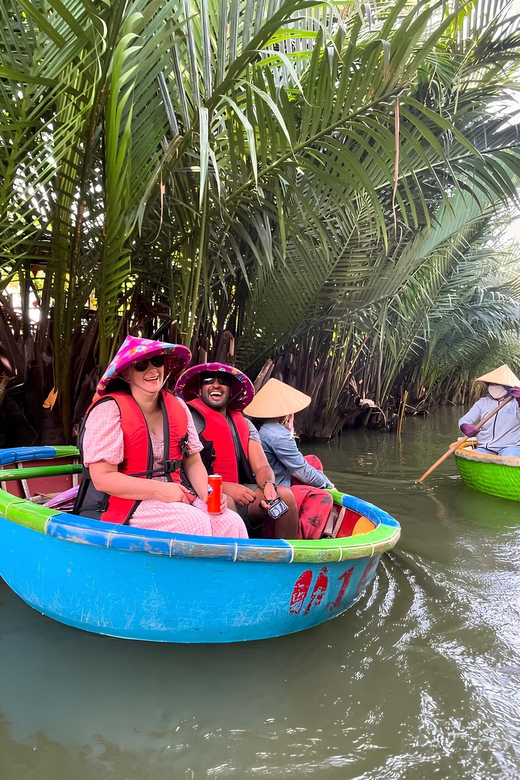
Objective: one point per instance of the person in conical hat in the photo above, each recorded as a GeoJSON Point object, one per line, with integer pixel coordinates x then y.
{"type": "Point", "coordinates": [275, 405]}
{"type": "Point", "coordinates": [141, 450]}
{"type": "Point", "coordinates": [501, 434]}
{"type": "Point", "coordinates": [216, 395]}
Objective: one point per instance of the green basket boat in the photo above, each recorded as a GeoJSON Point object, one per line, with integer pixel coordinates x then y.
{"type": "Point", "coordinates": [494, 474]}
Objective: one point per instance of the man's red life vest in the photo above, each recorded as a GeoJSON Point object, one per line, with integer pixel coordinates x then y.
{"type": "Point", "coordinates": [138, 453]}
{"type": "Point", "coordinates": [217, 433]}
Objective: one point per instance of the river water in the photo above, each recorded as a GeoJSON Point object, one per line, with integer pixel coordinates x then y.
{"type": "Point", "coordinates": [419, 680]}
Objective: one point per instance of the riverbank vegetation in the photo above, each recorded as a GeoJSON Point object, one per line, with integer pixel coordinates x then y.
{"type": "Point", "coordinates": [310, 190]}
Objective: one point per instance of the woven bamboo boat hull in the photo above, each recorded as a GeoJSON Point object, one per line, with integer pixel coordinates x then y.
{"type": "Point", "coordinates": [499, 476]}
{"type": "Point", "coordinates": [135, 583]}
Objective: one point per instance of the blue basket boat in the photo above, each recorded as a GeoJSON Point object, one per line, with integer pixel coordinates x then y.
{"type": "Point", "coordinates": [148, 585]}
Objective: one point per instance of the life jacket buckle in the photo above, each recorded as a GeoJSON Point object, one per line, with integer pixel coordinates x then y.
{"type": "Point", "coordinates": [183, 445]}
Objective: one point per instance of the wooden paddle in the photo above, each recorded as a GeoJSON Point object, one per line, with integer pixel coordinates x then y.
{"type": "Point", "coordinates": [464, 438]}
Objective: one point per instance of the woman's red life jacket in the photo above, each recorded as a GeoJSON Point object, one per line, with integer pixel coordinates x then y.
{"type": "Point", "coordinates": [217, 433]}
{"type": "Point", "coordinates": [138, 453]}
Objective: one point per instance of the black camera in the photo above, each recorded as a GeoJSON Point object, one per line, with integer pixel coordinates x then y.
{"type": "Point", "coordinates": [276, 508]}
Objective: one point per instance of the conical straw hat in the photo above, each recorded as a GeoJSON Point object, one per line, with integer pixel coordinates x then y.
{"type": "Point", "coordinates": [500, 376]}
{"type": "Point", "coordinates": [276, 399]}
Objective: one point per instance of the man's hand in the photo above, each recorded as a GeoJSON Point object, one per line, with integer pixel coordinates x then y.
{"type": "Point", "coordinates": [269, 494]}
{"type": "Point", "coordinates": [240, 494]}
{"type": "Point", "coordinates": [469, 430]}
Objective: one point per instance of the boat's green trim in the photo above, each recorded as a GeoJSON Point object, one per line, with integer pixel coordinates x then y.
{"type": "Point", "coordinates": [66, 451]}
{"type": "Point", "coordinates": [496, 479]}
{"type": "Point", "coordinates": [374, 542]}
{"type": "Point", "coordinates": [24, 512]}
{"type": "Point", "coordinates": [7, 475]}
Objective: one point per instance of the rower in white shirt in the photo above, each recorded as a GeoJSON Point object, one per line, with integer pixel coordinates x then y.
{"type": "Point", "coordinates": [501, 434]}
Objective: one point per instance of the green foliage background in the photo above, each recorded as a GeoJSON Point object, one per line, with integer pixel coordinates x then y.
{"type": "Point", "coordinates": [322, 181]}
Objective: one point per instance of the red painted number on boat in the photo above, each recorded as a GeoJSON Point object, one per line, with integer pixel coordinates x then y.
{"type": "Point", "coordinates": [300, 590]}
{"type": "Point", "coordinates": [302, 586]}
{"type": "Point", "coordinates": [319, 590]}
{"type": "Point", "coordinates": [367, 575]}
{"type": "Point", "coordinates": [346, 579]}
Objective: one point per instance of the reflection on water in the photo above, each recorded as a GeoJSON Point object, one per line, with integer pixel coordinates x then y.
{"type": "Point", "coordinates": [419, 680]}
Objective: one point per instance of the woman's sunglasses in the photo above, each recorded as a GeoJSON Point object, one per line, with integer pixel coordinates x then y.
{"type": "Point", "coordinates": [223, 379]}
{"type": "Point", "coordinates": [142, 365]}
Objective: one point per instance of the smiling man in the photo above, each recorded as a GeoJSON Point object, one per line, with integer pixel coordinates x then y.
{"type": "Point", "coordinates": [216, 394]}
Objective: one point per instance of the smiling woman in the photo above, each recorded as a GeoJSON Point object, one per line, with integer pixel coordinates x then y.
{"type": "Point", "coordinates": [141, 450]}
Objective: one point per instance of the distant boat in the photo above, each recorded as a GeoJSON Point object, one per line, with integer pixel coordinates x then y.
{"type": "Point", "coordinates": [497, 475]}
{"type": "Point", "coordinates": [139, 584]}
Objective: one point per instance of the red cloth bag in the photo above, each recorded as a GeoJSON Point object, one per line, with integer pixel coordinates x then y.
{"type": "Point", "coordinates": [314, 504]}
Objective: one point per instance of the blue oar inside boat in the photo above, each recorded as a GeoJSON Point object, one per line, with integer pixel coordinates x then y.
{"type": "Point", "coordinates": [140, 584]}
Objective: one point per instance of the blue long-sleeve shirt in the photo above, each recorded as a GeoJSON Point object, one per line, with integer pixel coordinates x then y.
{"type": "Point", "coordinates": [503, 430]}
{"type": "Point", "coordinates": [286, 459]}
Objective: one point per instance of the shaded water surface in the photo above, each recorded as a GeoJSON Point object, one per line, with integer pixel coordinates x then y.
{"type": "Point", "coordinates": [419, 680]}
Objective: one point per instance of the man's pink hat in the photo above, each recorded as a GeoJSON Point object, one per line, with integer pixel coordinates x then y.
{"type": "Point", "coordinates": [134, 349]}
{"type": "Point", "coordinates": [242, 390]}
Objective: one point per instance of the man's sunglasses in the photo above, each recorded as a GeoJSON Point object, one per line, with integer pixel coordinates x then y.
{"type": "Point", "coordinates": [223, 379]}
{"type": "Point", "coordinates": [142, 365]}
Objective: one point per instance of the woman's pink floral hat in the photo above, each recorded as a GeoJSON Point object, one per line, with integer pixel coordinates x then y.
{"type": "Point", "coordinates": [242, 390]}
{"type": "Point", "coordinates": [134, 349]}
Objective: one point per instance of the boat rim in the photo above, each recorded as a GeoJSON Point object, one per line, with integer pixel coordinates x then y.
{"type": "Point", "coordinates": [73, 528]}
{"type": "Point", "coordinates": [466, 452]}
